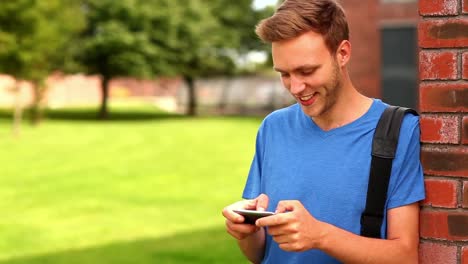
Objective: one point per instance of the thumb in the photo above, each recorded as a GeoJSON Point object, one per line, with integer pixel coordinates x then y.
{"type": "Point", "coordinates": [262, 202]}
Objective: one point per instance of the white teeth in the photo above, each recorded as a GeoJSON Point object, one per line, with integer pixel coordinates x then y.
{"type": "Point", "coordinates": [305, 98]}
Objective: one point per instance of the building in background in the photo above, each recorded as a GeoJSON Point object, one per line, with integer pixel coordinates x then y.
{"type": "Point", "coordinates": [384, 58]}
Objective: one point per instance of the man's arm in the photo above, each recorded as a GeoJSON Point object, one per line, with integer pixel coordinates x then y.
{"type": "Point", "coordinates": [296, 230]}
{"type": "Point", "coordinates": [250, 238]}
{"type": "Point", "coordinates": [401, 245]}
{"type": "Point", "coordinates": [253, 246]}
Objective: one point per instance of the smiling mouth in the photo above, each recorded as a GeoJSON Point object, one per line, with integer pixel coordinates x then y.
{"type": "Point", "coordinates": [307, 99]}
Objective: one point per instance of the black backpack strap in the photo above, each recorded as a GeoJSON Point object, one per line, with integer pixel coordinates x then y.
{"type": "Point", "coordinates": [384, 147]}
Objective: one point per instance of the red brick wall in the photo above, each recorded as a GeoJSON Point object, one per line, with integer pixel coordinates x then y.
{"type": "Point", "coordinates": [366, 19]}
{"type": "Point", "coordinates": [443, 71]}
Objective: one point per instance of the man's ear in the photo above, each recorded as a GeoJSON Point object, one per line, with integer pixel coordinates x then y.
{"type": "Point", "coordinates": [343, 53]}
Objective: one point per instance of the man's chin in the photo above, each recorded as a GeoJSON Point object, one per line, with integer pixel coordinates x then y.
{"type": "Point", "coordinates": [310, 111]}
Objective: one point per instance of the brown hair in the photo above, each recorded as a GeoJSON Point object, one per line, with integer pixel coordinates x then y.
{"type": "Point", "coordinates": [295, 17]}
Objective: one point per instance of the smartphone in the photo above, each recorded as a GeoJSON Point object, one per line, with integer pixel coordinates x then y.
{"type": "Point", "coordinates": [252, 215]}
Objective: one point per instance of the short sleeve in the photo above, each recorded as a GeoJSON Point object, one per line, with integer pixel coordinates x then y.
{"type": "Point", "coordinates": [407, 179]}
{"type": "Point", "coordinates": [252, 187]}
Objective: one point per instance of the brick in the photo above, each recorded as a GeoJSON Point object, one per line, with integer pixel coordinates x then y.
{"type": "Point", "coordinates": [464, 255]}
{"type": "Point", "coordinates": [433, 253]}
{"type": "Point", "coordinates": [465, 66]}
{"type": "Point", "coordinates": [444, 97]}
{"type": "Point", "coordinates": [438, 7]}
{"type": "Point", "coordinates": [465, 130]}
{"type": "Point", "coordinates": [458, 225]}
{"type": "Point", "coordinates": [465, 7]}
{"type": "Point", "coordinates": [435, 65]}
{"type": "Point", "coordinates": [440, 129]}
{"type": "Point", "coordinates": [444, 225]}
{"type": "Point", "coordinates": [442, 33]}
{"type": "Point", "coordinates": [441, 193]}
{"type": "Point", "coordinates": [465, 194]}
{"type": "Point", "coordinates": [445, 160]}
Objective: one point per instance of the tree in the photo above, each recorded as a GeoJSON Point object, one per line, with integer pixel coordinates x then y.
{"type": "Point", "coordinates": [207, 38]}
{"type": "Point", "coordinates": [34, 36]}
{"type": "Point", "coordinates": [148, 38]}
{"type": "Point", "coordinates": [117, 42]}
{"type": "Point", "coordinates": [198, 45]}
{"type": "Point", "coordinates": [238, 19]}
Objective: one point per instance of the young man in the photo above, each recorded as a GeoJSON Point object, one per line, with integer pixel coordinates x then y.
{"type": "Point", "coordinates": [312, 159]}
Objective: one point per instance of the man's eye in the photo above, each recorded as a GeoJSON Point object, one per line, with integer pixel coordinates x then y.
{"type": "Point", "coordinates": [283, 75]}
{"type": "Point", "coordinates": [306, 72]}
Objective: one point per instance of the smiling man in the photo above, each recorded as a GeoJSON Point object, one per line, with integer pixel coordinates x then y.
{"type": "Point", "coordinates": [312, 159]}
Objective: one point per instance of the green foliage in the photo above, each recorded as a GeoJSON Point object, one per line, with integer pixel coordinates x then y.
{"type": "Point", "coordinates": [140, 38]}
{"type": "Point", "coordinates": [238, 20]}
{"type": "Point", "coordinates": [198, 43]}
{"type": "Point", "coordinates": [122, 191]}
{"type": "Point", "coordinates": [147, 38]}
{"type": "Point", "coordinates": [134, 38]}
{"type": "Point", "coordinates": [117, 41]}
{"type": "Point", "coordinates": [34, 36]}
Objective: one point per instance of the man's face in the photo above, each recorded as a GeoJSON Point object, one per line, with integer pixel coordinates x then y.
{"type": "Point", "coordinates": [309, 72]}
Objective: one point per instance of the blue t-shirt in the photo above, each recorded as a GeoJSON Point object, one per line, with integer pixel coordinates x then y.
{"type": "Point", "coordinates": [328, 171]}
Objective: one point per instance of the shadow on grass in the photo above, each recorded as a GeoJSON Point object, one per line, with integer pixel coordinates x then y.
{"type": "Point", "coordinates": [127, 115]}
{"type": "Point", "coordinates": [5, 114]}
{"type": "Point", "coordinates": [90, 115]}
{"type": "Point", "coordinates": [201, 246]}
{"type": "Point", "coordinates": [119, 115]}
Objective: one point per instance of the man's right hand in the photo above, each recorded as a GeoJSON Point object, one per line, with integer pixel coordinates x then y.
{"type": "Point", "coordinates": [235, 225]}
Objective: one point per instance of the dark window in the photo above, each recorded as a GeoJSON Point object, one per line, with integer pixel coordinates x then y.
{"type": "Point", "coordinates": [399, 66]}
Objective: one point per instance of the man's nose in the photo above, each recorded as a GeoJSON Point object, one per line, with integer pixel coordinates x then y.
{"type": "Point", "coordinates": [297, 85]}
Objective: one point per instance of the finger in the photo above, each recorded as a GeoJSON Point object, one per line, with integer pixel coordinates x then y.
{"type": "Point", "coordinates": [281, 239]}
{"type": "Point", "coordinates": [240, 230]}
{"type": "Point", "coordinates": [232, 216]}
{"type": "Point", "coordinates": [262, 202]}
{"type": "Point", "coordinates": [288, 205]}
{"type": "Point", "coordinates": [249, 204]}
{"type": "Point", "coordinates": [228, 212]}
{"type": "Point", "coordinates": [287, 246]}
{"type": "Point", "coordinates": [237, 235]}
{"type": "Point", "coordinates": [292, 247]}
{"type": "Point", "coordinates": [278, 230]}
{"type": "Point", "coordinates": [274, 220]}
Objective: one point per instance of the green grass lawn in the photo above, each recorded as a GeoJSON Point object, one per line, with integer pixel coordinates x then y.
{"type": "Point", "coordinates": [143, 187]}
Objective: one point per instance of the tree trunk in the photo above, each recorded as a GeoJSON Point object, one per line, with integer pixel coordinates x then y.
{"type": "Point", "coordinates": [103, 111]}
{"type": "Point", "coordinates": [36, 108]}
{"type": "Point", "coordinates": [223, 102]}
{"type": "Point", "coordinates": [192, 98]}
{"type": "Point", "coordinates": [18, 110]}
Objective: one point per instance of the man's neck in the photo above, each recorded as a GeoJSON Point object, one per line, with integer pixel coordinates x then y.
{"type": "Point", "coordinates": [349, 106]}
